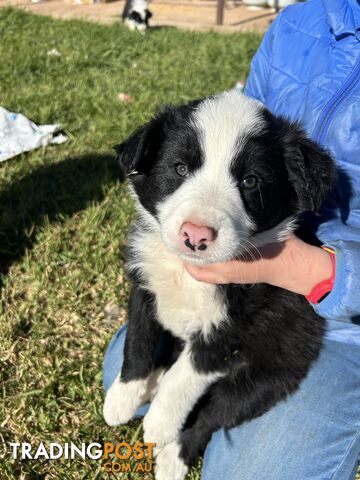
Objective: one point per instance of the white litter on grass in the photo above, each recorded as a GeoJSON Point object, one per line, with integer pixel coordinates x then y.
{"type": "Point", "coordinates": [54, 53]}
{"type": "Point", "coordinates": [18, 134]}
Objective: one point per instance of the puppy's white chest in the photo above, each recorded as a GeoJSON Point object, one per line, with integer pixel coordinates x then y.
{"type": "Point", "coordinates": [184, 305]}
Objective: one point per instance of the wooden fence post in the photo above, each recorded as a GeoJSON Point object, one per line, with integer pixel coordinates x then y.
{"type": "Point", "coordinates": [220, 12]}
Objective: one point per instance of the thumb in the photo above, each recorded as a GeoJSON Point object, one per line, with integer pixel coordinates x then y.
{"type": "Point", "coordinates": [203, 273]}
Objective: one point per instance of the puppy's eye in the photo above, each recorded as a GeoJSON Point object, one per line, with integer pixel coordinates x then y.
{"type": "Point", "coordinates": [182, 169]}
{"type": "Point", "coordinates": [249, 182]}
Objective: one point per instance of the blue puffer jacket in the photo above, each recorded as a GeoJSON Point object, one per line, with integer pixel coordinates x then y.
{"type": "Point", "coordinates": [308, 69]}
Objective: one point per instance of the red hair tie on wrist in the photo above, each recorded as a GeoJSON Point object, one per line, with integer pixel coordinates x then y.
{"type": "Point", "coordinates": [322, 289]}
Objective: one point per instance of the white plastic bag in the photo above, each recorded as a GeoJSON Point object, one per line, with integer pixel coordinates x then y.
{"type": "Point", "coordinates": [18, 134]}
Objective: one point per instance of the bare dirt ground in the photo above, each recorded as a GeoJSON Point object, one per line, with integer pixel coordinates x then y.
{"type": "Point", "coordinates": [187, 14]}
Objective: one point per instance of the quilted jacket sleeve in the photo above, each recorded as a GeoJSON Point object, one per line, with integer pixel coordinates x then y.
{"type": "Point", "coordinates": [257, 84]}
{"type": "Point", "coordinates": [343, 303]}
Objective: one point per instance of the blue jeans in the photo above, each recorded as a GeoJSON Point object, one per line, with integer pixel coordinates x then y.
{"type": "Point", "coordinates": [312, 435]}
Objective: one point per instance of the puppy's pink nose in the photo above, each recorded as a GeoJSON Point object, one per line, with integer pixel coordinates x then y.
{"type": "Point", "coordinates": [197, 237]}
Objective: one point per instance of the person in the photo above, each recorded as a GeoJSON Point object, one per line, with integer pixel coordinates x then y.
{"type": "Point", "coordinates": [307, 69]}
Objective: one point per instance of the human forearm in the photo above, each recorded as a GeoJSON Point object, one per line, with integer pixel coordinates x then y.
{"type": "Point", "coordinates": [298, 266]}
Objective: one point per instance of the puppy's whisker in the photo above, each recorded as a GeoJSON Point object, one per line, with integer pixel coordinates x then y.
{"type": "Point", "coordinates": [261, 198]}
{"type": "Point", "coordinates": [250, 253]}
{"type": "Point", "coordinates": [253, 247]}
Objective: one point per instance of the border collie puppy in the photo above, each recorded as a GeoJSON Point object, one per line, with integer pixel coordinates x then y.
{"type": "Point", "coordinates": [136, 15]}
{"type": "Point", "coordinates": [212, 180]}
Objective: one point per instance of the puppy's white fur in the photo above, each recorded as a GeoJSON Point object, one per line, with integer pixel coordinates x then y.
{"type": "Point", "coordinates": [183, 305]}
{"type": "Point", "coordinates": [122, 399]}
{"type": "Point", "coordinates": [169, 465]}
{"type": "Point", "coordinates": [180, 389]}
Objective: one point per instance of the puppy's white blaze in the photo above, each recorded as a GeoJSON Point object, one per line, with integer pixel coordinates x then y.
{"type": "Point", "coordinates": [223, 122]}
{"type": "Point", "coordinates": [180, 389]}
{"type": "Point", "coordinates": [209, 201]}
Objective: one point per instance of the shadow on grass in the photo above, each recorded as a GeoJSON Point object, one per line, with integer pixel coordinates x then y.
{"type": "Point", "coordinates": [48, 194]}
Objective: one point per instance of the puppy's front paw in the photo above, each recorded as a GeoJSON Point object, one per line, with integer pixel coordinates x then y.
{"type": "Point", "coordinates": [121, 401]}
{"type": "Point", "coordinates": [169, 464]}
{"type": "Point", "coordinates": [159, 427]}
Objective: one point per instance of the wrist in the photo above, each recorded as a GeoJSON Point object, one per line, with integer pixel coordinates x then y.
{"type": "Point", "coordinates": [322, 269]}
{"type": "Point", "coordinates": [324, 287]}
{"type": "Point", "coordinates": [298, 267]}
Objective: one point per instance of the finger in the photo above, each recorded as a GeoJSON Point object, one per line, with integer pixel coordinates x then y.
{"type": "Point", "coordinates": [204, 274]}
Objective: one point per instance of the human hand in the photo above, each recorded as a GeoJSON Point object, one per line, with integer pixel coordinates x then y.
{"type": "Point", "coordinates": [292, 264]}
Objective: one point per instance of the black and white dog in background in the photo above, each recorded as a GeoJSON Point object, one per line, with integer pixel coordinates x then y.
{"type": "Point", "coordinates": [212, 180]}
{"type": "Point", "coordinates": [136, 14]}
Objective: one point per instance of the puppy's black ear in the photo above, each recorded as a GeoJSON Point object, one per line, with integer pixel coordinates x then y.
{"type": "Point", "coordinates": [137, 153]}
{"type": "Point", "coordinates": [311, 169]}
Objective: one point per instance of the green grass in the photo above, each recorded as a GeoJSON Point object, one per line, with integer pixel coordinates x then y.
{"type": "Point", "coordinates": [64, 214]}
